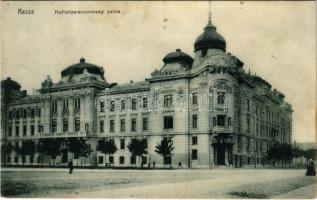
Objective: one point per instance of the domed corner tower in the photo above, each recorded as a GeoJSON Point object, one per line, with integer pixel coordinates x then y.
{"type": "Point", "coordinates": [208, 43]}
{"type": "Point", "coordinates": [83, 69]}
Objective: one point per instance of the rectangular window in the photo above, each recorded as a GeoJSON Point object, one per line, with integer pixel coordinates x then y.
{"type": "Point", "coordinates": [9, 159]}
{"type": "Point", "coordinates": [17, 130]}
{"type": "Point", "coordinates": [248, 104]}
{"type": "Point", "coordinates": [111, 159]}
{"type": "Point", "coordinates": [77, 124]}
{"type": "Point", "coordinates": [10, 131]}
{"type": "Point", "coordinates": [112, 106]}
{"type": "Point", "coordinates": [24, 130]}
{"type": "Point", "coordinates": [144, 160]}
{"type": "Point", "coordinates": [65, 125]}
{"type": "Point", "coordinates": [194, 140]}
{"type": "Point", "coordinates": [102, 106]}
{"type": "Point", "coordinates": [194, 122]}
{"type": "Point", "coordinates": [65, 104]}
{"type": "Point", "coordinates": [221, 120]}
{"type": "Point", "coordinates": [54, 126]}
{"type": "Point", "coordinates": [229, 121]}
{"type": "Point", "coordinates": [111, 125]}
{"type": "Point", "coordinates": [40, 128]}
{"type": "Point", "coordinates": [221, 98]}
{"type": "Point", "coordinates": [32, 129]}
{"type": "Point", "coordinates": [122, 125]}
{"type": "Point", "coordinates": [77, 103]}
{"type": "Point", "coordinates": [102, 126]}
{"type": "Point", "coordinates": [122, 105]}
{"type": "Point", "coordinates": [194, 154]}
{"type": "Point", "coordinates": [168, 122]}
{"type": "Point", "coordinates": [248, 124]}
{"type": "Point", "coordinates": [32, 113]}
{"type": "Point", "coordinates": [133, 104]}
{"type": "Point", "coordinates": [54, 105]}
{"type": "Point", "coordinates": [17, 114]}
{"type": "Point", "coordinates": [195, 99]}
{"type": "Point", "coordinates": [133, 124]}
{"type": "Point", "coordinates": [248, 143]}
{"type": "Point", "coordinates": [133, 160]}
{"type": "Point", "coordinates": [145, 103]}
{"type": "Point", "coordinates": [10, 115]}
{"type": "Point", "coordinates": [121, 159]}
{"type": "Point", "coordinates": [122, 144]}
{"type": "Point", "coordinates": [39, 112]}
{"type": "Point", "coordinates": [145, 124]}
{"type": "Point", "coordinates": [214, 121]}
{"type": "Point", "coordinates": [168, 101]}
{"type": "Point", "coordinates": [25, 113]}
{"type": "Point", "coordinates": [16, 159]}
{"type": "Point", "coordinates": [31, 159]}
{"type": "Point", "coordinates": [100, 160]}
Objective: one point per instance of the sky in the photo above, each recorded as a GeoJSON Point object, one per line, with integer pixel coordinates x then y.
{"type": "Point", "coordinates": [274, 39]}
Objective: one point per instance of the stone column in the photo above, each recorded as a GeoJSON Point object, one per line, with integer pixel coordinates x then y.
{"type": "Point", "coordinates": [59, 116]}
{"type": "Point", "coordinates": [82, 113]}
{"type": "Point", "coordinates": [45, 116]}
{"type": "Point", "coordinates": [71, 115]}
{"type": "Point", "coordinates": [28, 126]}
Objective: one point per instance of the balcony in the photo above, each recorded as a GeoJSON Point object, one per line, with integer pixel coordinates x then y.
{"type": "Point", "coordinates": [222, 129]}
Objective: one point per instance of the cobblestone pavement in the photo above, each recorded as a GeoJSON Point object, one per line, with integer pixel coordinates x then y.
{"type": "Point", "coordinates": [182, 183]}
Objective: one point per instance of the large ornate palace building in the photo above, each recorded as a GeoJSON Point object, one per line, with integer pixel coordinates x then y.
{"type": "Point", "coordinates": [214, 111]}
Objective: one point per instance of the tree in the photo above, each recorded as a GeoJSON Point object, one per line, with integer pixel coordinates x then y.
{"type": "Point", "coordinates": [138, 147]}
{"type": "Point", "coordinates": [76, 146]}
{"type": "Point", "coordinates": [107, 147]}
{"type": "Point", "coordinates": [165, 149]}
{"type": "Point", "coordinates": [6, 149]}
{"type": "Point", "coordinates": [28, 148]}
{"type": "Point", "coordinates": [281, 152]}
{"type": "Point", "coordinates": [51, 147]}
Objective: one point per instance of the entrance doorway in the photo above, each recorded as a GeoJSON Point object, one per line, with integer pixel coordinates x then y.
{"type": "Point", "coordinates": [221, 150]}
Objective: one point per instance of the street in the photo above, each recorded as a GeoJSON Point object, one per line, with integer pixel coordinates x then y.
{"type": "Point", "coordinates": [178, 183]}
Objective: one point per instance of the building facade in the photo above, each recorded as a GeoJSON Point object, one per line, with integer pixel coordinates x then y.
{"type": "Point", "coordinates": [214, 112]}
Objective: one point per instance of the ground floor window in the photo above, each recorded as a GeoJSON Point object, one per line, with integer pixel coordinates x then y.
{"type": "Point", "coordinates": [167, 160]}
{"type": "Point", "coordinates": [121, 159]}
{"type": "Point", "coordinates": [16, 159]}
{"type": "Point", "coordinates": [100, 159]}
{"type": "Point", "coordinates": [111, 159]}
{"type": "Point", "coordinates": [31, 159]}
{"type": "Point", "coordinates": [133, 160]}
{"type": "Point", "coordinates": [144, 159]}
{"type": "Point", "coordinates": [9, 159]}
{"type": "Point", "coordinates": [194, 154]}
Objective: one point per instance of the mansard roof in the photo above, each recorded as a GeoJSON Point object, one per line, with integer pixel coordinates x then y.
{"type": "Point", "coordinates": [129, 87]}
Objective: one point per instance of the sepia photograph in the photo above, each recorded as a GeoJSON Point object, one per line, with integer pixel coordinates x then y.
{"type": "Point", "coordinates": [158, 99]}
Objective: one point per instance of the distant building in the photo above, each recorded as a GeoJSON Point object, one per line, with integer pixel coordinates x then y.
{"type": "Point", "coordinates": [215, 112]}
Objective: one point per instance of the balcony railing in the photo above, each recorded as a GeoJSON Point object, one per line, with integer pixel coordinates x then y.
{"type": "Point", "coordinates": [222, 129]}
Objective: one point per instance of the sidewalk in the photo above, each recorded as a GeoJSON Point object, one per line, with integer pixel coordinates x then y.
{"type": "Point", "coordinates": [307, 192]}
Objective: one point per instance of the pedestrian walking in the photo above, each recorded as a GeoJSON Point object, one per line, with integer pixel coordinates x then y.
{"type": "Point", "coordinates": [311, 168]}
{"type": "Point", "coordinates": [153, 165]}
{"type": "Point", "coordinates": [70, 166]}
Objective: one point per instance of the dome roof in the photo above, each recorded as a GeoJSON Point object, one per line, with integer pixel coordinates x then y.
{"type": "Point", "coordinates": [9, 83]}
{"type": "Point", "coordinates": [210, 38]}
{"type": "Point", "coordinates": [177, 56]}
{"type": "Point", "coordinates": [80, 67]}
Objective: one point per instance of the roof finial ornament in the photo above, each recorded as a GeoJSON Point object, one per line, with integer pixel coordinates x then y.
{"type": "Point", "coordinates": [209, 12]}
